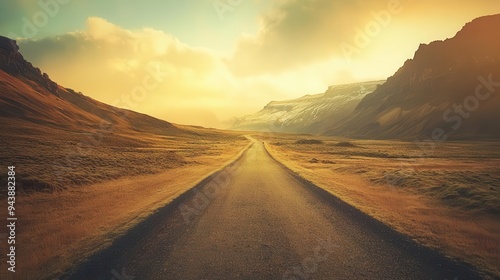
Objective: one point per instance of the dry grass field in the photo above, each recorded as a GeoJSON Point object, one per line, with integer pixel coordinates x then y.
{"type": "Point", "coordinates": [73, 200]}
{"type": "Point", "coordinates": [78, 191]}
{"type": "Point", "coordinates": [445, 196]}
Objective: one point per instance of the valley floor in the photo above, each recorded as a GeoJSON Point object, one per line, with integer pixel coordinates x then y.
{"type": "Point", "coordinates": [75, 199]}
{"type": "Point", "coordinates": [446, 197]}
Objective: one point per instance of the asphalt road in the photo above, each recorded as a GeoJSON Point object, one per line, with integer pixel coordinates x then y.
{"type": "Point", "coordinates": [256, 220]}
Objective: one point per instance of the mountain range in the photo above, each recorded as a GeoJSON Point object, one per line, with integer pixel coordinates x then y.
{"type": "Point", "coordinates": [448, 90]}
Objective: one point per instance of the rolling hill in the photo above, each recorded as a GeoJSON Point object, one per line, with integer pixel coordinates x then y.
{"type": "Point", "coordinates": [29, 96]}
{"type": "Point", "coordinates": [59, 139]}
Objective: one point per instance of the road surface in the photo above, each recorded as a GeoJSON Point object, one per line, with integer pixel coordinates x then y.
{"type": "Point", "coordinates": [256, 220]}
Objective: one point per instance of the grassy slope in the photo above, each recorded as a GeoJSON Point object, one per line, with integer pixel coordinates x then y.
{"type": "Point", "coordinates": [446, 198]}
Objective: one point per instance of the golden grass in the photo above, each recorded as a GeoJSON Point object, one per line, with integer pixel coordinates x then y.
{"type": "Point", "coordinates": [49, 159]}
{"type": "Point", "coordinates": [117, 184]}
{"type": "Point", "coordinates": [447, 199]}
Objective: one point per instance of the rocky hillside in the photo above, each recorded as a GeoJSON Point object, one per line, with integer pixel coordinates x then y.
{"type": "Point", "coordinates": [28, 95]}
{"type": "Point", "coordinates": [448, 90]}
{"type": "Point", "coordinates": [308, 114]}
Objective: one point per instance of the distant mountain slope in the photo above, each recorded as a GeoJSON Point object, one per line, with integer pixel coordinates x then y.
{"type": "Point", "coordinates": [448, 90]}
{"type": "Point", "coordinates": [28, 95]}
{"type": "Point", "coordinates": [308, 114]}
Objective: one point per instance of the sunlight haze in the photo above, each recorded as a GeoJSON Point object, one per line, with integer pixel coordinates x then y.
{"type": "Point", "coordinates": [206, 62]}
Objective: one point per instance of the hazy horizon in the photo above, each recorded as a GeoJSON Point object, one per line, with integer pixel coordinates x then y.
{"type": "Point", "coordinates": [205, 64]}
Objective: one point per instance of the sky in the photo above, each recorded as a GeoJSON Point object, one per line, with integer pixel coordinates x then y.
{"type": "Point", "coordinates": [204, 62]}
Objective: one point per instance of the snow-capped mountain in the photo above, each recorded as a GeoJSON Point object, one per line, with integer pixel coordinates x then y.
{"type": "Point", "coordinates": [310, 113]}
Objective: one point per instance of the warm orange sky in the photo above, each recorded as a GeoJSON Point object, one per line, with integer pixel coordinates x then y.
{"type": "Point", "coordinates": [205, 63]}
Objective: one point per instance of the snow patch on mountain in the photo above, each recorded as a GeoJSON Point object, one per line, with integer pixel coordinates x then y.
{"type": "Point", "coordinates": [310, 113]}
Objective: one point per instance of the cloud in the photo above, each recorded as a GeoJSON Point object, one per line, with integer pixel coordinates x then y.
{"type": "Point", "coordinates": [299, 32]}
{"type": "Point", "coordinates": [110, 64]}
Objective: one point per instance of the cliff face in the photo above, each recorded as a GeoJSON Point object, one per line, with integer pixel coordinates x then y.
{"type": "Point", "coordinates": [27, 94]}
{"type": "Point", "coordinates": [443, 76]}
